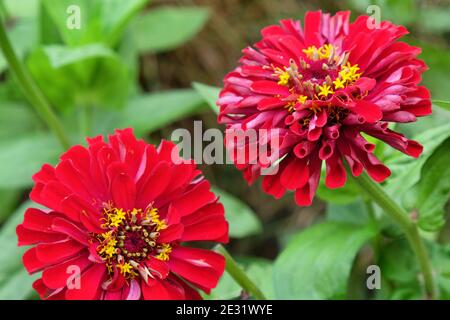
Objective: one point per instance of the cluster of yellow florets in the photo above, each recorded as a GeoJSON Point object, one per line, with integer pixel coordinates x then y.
{"type": "Point", "coordinates": [117, 222]}
{"type": "Point", "coordinates": [324, 52]}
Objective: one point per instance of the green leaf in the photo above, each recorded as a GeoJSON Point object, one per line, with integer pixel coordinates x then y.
{"type": "Point", "coordinates": [15, 282]}
{"type": "Point", "coordinates": [317, 262]}
{"type": "Point", "coordinates": [8, 200]}
{"type": "Point", "coordinates": [433, 190]}
{"type": "Point", "coordinates": [355, 212]}
{"type": "Point", "coordinates": [22, 8]}
{"type": "Point", "coordinates": [90, 75]}
{"type": "Point", "coordinates": [11, 114]}
{"type": "Point", "coordinates": [209, 93]}
{"type": "Point", "coordinates": [23, 157]}
{"type": "Point", "coordinates": [242, 220]}
{"type": "Point", "coordinates": [23, 37]}
{"type": "Point", "coordinates": [226, 289]}
{"type": "Point", "coordinates": [101, 21]}
{"type": "Point", "coordinates": [165, 28]}
{"type": "Point", "coordinates": [345, 195]}
{"type": "Point", "coordinates": [443, 104]}
{"type": "Point", "coordinates": [60, 56]}
{"type": "Point", "coordinates": [153, 111]}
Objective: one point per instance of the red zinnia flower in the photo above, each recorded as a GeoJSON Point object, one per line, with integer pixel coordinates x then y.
{"type": "Point", "coordinates": [323, 86]}
{"type": "Point", "coordinates": [117, 213]}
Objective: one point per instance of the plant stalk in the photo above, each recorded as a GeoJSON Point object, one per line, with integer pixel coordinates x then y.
{"type": "Point", "coordinates": [31, 90]}
{"type": "Point", "coordinates": [409, 227]}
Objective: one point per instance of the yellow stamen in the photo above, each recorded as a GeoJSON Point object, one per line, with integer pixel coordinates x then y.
{"type": "Point", "coordinates": [325, 90]}
{"type": "Point", "coordinates": [284, 78]}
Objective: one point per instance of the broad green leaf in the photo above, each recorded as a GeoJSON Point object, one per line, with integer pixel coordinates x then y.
{"type": "Point", "coordinates": [165, 28]}
{"type": "Point", "coordinates": [355, 212]}
{"type": "Point", "coordinates": [209, 93]}
{"type": "Point", "coordinates": [242, 220]}
{"type": "Point", "coordinates": [12, 114]}
{"type": "Point", "coordinates": [90, 75]}
{"type": "Point", "coordinates": [23, 157]}
{"type": "Point", "coordinates": [153, 111]}
{"type": "Point", "coordinates": [443, 104]}
{"type": "Point", "coordinates": [317, 262]}
{"type": "Point", "coordinates": [433, 190]}
{"type": "Point", "coordinates": [15, 282]}
{"type": "Point", "coordinates": [100, 21]}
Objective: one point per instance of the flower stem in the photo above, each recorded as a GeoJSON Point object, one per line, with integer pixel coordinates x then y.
{"type": "Point", "coordinates": [239, 275]}
{"type": "Point", "coordinates": [409, 227]}
{"type": "Point", "coordinates": [31, 90]}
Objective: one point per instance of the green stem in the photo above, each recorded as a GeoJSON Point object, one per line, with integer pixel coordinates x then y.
{"type": "Point", "coordinates": [409, 227]}
{"type": "Point", "coordinates": [239, 275]}
{"type": "Point", "coordinates": [31, 90]}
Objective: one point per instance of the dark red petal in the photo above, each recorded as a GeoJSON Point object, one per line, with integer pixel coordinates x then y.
{"type": "Point", "coordinates": [295, 175]}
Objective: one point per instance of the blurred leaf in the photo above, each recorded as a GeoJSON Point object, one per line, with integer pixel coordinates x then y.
{"type": "Point", "coordinates": [317, 262]}
{"type": "Point", "coordinates": [22, 8]}
{"type": "Point", "coordinates": [434, 19]}
{"type": "Point", "coordinates": [23, 37]}
{"type": "Point", "coordinates": [153, 111]}
{"type": "Point", "coordinates": [226, 289]}
{"type": "Point", "coordinates": [438, 60]}
{"type": "Point", "coordinates": [23, 157]}
{"type": "Point", "coordinates": [15, 282]}
{"type": "Point", "coordinates": [91, 75]}
{"type": "Point", "coordinates": [433, 190]}
{"type": "Point", "coordinates": [165, 28]}
{"type": "Point", "coordinates": [345, 195]}
{"type": "Point", "coordinates": [355, 212]}
{"type": "Point", "coordinates": [443, 104]}
{"type": "Point", "coordinates": [101, 21]}
{"type": "Point", "coordinates": [12, 114]}
{"type": "Point", "coordinates": [261, 272]}
{"type": "Point", "coordinates": [60, 56]}
{"type": "Point", "coordinates": [8, 200]}
{"type": "Point", "coordinates": [242, 220]}
{"type": "Point", "coordinates": [209, 93]}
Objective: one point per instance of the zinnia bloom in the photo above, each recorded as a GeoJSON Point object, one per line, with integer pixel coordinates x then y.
{"type": "Point", "coordinates": [325, 87]}
{"type": "Point", "coordinates": [118, 214]}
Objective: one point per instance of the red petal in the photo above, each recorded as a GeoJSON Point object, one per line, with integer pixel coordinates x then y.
{"type": "Point", "coordinates": [295, 175]}
{"type": "Point", "coordinates": [90, 284]}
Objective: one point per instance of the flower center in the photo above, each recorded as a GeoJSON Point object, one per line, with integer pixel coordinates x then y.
{"type": "Point", "coordinates": [323, 74]}
{"type": "Point", "coordinates": [130, 237]}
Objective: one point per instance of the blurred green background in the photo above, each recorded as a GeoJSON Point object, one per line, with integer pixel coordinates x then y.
{"type": "Point", "coordinates": [155, 66]}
